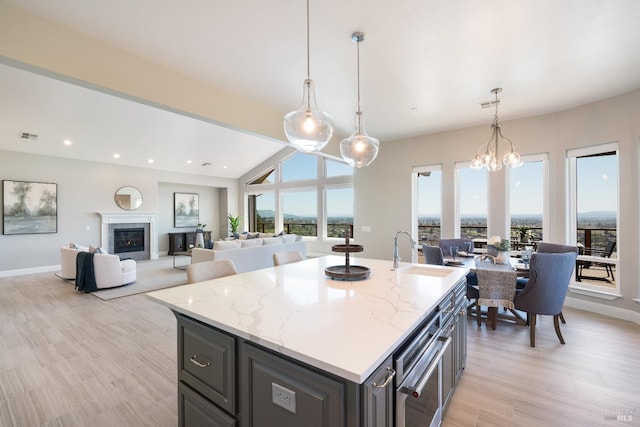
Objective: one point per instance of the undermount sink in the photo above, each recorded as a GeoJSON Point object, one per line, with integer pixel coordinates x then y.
{"type": "Point", "coordinates": [427, 271]}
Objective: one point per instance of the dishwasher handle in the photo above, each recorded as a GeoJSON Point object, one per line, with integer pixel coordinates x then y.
{"type": "Point", "coordinates": [422, 382]}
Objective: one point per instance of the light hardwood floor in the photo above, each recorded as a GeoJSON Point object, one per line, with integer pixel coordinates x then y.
{"type": "Point", "coordinates": [70, 359]}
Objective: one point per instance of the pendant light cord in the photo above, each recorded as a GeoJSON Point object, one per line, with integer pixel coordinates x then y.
{"type": "Point", "coordinates": [308, 48]}
{"type": "Point", "coordinates": [358, 68]}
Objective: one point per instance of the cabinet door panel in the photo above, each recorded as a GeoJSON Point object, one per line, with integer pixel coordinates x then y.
{"type": "Point", "coordinates": [207, 362]}
{"type": "Point", "coordinates": [378, 400]}
{"type": "Point", "coordinates": [314, 400]}
{"type": "Point", "coordinates": [196, 411]}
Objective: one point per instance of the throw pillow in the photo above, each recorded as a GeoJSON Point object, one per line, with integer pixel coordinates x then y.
{"type": "Point", "coordinates": [289, 238]}
{"type": "Point", "coordinates": [222, 245]}
{"type": "Point", "coordinates": [78, 247]}
{"type": "Point", "coordinates": [272, 240]}
{"type": "Point", "coordinates": [251, 243]}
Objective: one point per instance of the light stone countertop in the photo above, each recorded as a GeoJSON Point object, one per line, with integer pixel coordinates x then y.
{"type": "Point", "coordinates": [345, 328]}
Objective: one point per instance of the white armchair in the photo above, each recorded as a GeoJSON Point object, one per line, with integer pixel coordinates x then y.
{"type": "Point", "coordinates": [109, 270]}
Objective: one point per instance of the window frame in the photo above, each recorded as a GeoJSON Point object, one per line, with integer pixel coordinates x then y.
{"type": "Point", "coordinates": [457, 167]}
{"type": "Point", "coordinates": [415, 176]}
{"type": "Point", "coordinates": [530, 158]}
{"type": "Point", "coordinates": [572, 218]}
{"type": "Point", "coordinates": [320, 184]}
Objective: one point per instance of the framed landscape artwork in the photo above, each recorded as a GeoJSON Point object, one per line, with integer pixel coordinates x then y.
{"type": "Point", "coordinates": [29, 207]}
{"type": "Point", "coordinates": [185, 210]}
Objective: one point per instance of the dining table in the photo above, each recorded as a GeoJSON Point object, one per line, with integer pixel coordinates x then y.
{"type": "Point", "coordinates": [496, 285]}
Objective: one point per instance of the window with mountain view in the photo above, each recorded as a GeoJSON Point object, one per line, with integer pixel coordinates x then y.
{"type": "Point", "coordinates": [471, 201]}
{"type": "Point", "coordinates": [428, 203]}
{"type": "Point", "coordinates": [300, 212]}
{"type": "Point", "coordinates": [527, 200]}
{"type": "Point", "coordinates": [299, 191]}
{"type": "Point", "coordinates": [594, 213]}
{"type": "Point", "coordinates": [339, 203]}
{"type": "Point", "coordinates": [262, 208]}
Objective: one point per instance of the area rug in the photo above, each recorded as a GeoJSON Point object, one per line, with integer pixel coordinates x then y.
{"type": "Point", "coordinates": [150, 276]}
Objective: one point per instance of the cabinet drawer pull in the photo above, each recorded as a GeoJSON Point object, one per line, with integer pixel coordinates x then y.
{"type": "Point", "coordinates": [194, 360]}
{"type": "Point", "coordinates": [390, 374]}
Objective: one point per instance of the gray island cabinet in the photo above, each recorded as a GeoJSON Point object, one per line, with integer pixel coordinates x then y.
{"type": "Point", "coordinates": [286, 346]}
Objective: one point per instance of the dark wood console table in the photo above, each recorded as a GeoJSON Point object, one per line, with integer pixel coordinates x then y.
{"type": "Point", "coordinates": [185, 241]}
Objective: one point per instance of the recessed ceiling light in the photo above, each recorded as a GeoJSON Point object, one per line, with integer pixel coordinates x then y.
{"type": "Point", "coordinates": [116, 155]}
{"type": "Point", "coordinates": [224, 166]}
{"type": "Point", "coordinates": [189, 162]}
{"type": "Point", "coordinates": [67, 142]}
{"type": "Point", "coordinates": [150, 161]}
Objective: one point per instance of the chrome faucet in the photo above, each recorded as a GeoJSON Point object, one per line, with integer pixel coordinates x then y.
{"type": "Point", "coordinates": [396, 257]}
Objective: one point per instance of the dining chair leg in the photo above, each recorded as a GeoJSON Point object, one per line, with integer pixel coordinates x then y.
{"type": "Point", "coordinates": [562, 318]}
{"type": "Point", "coordinates": [556, 325]}
{"type": "Point", "coordinates": [532, 330]}
{"type": "Point", "coordinates": [478, 315]}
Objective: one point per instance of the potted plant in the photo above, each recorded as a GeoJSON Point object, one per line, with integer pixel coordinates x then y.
{"type": "Point", "coordinates": [234, 223]}
{"type": "Point", "coordinates": [501, 249]}
{"type": "Point", "coordinates": [525, 233]}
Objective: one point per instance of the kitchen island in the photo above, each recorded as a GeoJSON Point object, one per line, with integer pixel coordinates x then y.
{"type": "Point", "coordinates": [324, 341]}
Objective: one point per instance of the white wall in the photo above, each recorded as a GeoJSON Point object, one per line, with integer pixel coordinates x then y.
{"type": "Point", "coordinates": [85, 188]}
{"type": "Point", "coordinates": [383, 190]}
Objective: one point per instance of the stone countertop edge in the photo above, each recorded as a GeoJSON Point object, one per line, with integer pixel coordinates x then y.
{"type": "Point", "coordinates": [345, 328]}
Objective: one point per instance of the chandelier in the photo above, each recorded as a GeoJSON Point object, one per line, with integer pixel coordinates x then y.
{"type": "Point", "coordinates": [489, 158]}
{"type": "Point", "coordinates": [360, 149]}
{"type": "Point", "coordinates": [308, 128]}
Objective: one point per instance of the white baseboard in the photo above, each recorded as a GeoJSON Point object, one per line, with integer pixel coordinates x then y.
{"type": "Point", "coordinates": [32, 270]}
{"type": "Point", "coordinates": [604, 309]}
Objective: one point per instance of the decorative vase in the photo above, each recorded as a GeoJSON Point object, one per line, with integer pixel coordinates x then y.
{"type": "Point", "coordinates": [524, 239]}
{"type": "Point", "coordinates": [503, 257]}
{"type": "Point", "coordinates": [199, 239]}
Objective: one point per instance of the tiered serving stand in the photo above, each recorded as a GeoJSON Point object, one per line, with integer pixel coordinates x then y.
{"type": "Point", "coordinates": [347, 272]}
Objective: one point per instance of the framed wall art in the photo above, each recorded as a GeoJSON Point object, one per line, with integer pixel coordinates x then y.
{"type": "Point", "coordinates": [185, 210]}
{"type": "Point", "coordinates": [29, 207]}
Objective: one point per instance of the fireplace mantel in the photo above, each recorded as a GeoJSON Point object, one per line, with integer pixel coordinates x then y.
{"type": "Point", "coordinates": [150, 218]}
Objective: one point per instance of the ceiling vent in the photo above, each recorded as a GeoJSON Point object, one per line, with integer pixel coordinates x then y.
{"type": "Point", "coordinates": [29, 136]}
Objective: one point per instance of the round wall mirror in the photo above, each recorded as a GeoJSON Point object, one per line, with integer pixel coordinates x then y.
{"type": "Point", "coordinates": [128, 198]}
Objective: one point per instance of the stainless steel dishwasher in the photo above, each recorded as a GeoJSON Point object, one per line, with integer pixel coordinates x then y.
{"type": "Point", "coordinates": [419, 377]}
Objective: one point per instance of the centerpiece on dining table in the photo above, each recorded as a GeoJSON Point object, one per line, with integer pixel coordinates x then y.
{"type": "Point", "coordinates": [498, 249]}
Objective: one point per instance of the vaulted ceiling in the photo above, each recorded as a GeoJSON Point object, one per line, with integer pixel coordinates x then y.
{"type": "Point", "coordinates": [426, 65]}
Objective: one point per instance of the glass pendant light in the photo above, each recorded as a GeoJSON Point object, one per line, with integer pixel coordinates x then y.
{"type": "Point", "coordinates": [359, 150]}
{"type": "Point", "coordinates": [308, 128]}
{"type": "Point", "coordinates": [489, 159]}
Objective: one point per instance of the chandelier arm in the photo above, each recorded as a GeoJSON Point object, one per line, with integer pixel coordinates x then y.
{"type": "Point", "coordinates": [506, 139]}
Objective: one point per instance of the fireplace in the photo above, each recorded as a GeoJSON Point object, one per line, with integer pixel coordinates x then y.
{"type": "Point", "coordinates": [129, 226]}
{"type": "Point", "coordinates": [128, 240]}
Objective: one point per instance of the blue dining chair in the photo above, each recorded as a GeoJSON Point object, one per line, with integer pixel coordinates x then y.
{"type": "Point", "coordinates": [472, 279]}
{"type": "Point", "coordinates": [549, 248]}
{"type": "Point", "coordinates": [432, 255]}
{"type": "Point", "coordinates": [544, 294]}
